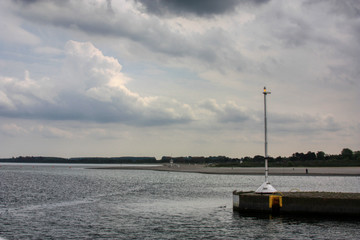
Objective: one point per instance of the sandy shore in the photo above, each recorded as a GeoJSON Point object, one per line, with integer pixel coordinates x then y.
{"type": "Point", "coordinates": [297, 171]}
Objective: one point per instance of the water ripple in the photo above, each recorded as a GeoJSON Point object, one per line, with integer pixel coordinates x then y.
{"type": "Point", "coordinates": [63, 203]}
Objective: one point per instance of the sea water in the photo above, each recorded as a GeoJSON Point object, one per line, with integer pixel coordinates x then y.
{"type": "Point", "coordinates": [73, 202]}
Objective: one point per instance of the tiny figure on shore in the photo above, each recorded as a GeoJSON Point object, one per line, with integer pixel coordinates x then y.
{"type": "Point", "coordinates": [306, 170]}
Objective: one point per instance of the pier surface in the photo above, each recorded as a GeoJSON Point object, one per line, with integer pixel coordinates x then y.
{"type": "Point", "coordinates": [324, 203]}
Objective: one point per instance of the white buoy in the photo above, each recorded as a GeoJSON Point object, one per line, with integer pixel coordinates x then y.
{"type": "Point", "coordinates": [266, 186]}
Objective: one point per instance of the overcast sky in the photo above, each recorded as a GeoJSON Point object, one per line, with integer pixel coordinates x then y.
{"type": "Point", "coordinates": [178, 77]}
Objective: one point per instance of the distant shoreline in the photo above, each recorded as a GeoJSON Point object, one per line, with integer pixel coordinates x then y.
{"type": "Point", "coordinates": [277, 171]}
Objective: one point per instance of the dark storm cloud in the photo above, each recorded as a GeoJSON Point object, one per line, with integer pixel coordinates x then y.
{"type": "Point", "coordinates": [199, 7]}
{"type": "Point", "coordinates": [210, 46]}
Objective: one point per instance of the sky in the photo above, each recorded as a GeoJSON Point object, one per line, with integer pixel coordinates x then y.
{"type": "Point", "coordinates": [178, 77]}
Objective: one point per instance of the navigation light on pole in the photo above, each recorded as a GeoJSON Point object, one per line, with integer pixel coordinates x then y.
{"type": "Point", "coordinates": [266, 186]}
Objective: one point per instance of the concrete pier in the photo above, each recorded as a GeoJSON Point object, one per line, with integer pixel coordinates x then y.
{"type": "Point", "coordinates": [322, 203]}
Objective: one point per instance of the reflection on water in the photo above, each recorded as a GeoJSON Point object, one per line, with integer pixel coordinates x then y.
{"type": "Point", "coordinates": [46, 202]}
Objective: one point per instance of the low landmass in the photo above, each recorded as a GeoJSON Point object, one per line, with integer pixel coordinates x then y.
{"type": "Point", "coordinates": [347, 158]}
{"type": "Point", "coordinates": [277, 171]}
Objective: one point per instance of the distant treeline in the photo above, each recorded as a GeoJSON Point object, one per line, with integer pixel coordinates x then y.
{"type": "Point", "coordinates": [347, 157]}
{"type": "Point", "coordinates": [93, 160]}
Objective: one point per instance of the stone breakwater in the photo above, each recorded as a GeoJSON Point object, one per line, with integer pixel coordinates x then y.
{"type": "Point", "coordinates": [305, 203]}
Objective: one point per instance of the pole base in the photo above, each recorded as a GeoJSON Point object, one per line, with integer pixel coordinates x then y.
{"type": "Point", "coordinates": [266, 188]}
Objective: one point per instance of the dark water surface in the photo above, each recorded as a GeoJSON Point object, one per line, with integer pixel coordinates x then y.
{"type": "Point", "coordinates": [59, 202]}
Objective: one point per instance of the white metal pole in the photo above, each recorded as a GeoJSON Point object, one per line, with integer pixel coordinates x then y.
{"type": "Point", "coordinates": [266, 186]}
{"type": "Point", "coordinates": [266, 143]}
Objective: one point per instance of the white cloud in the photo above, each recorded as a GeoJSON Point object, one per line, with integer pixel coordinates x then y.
{"type": "Point", "coordinates": [93, 89]}
{"type": "Point", "coordinates": [52, 132]}
{"type": "Point", "coordinates": [22, 95]}
{"type": "Point", "coordinates": [5, 102]}
{"type": "Point", "coordinates": [92, 68]}
{"type": "Point", "coordinates": [12, 129]}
